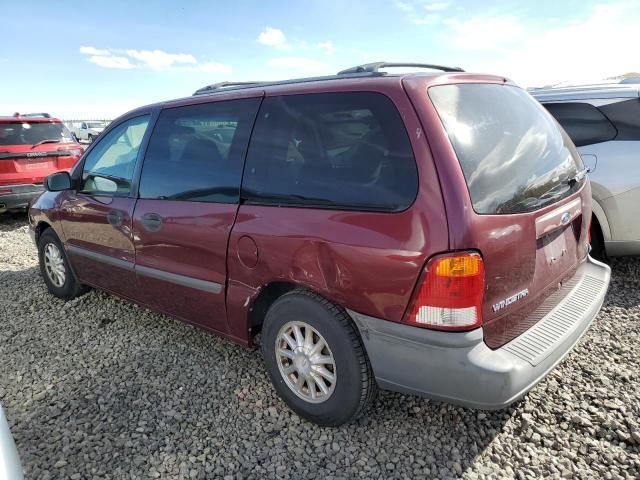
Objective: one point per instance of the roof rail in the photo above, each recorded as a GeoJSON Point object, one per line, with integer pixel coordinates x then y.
{"type": "Point", "coordinates": [42, 114]}
{"type": "Point", "coordinates": [221, 85]}
{"type": "Point", "coordinates": [374, 67]}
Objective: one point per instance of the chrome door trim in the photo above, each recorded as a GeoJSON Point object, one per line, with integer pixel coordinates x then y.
{"type": "Point", "coordinates": [100, 257]}
{"type": "Point", "coordinates": [182, 280]}
{"type": "Point", "coordinates": [176, 279]}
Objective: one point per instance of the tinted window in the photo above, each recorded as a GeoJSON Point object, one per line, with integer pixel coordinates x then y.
{"type": "Point", "coordinates": [513, 155]}
{"type": "Point", "coordinates": [109, 166]}
{"type": "Point", "coordinates": [584, 123]}
{"type": "Point", "coordinates": [625, 116]}
{"type": "Point", "coordinates": [337, 150]}
{"type": "Point", "coordinates": [30, 133]}
{"type": "Point", "coordinates": [196, 152]}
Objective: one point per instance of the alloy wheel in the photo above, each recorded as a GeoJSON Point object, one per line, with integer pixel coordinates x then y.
{"type": "Point", "coordinates": [54, 265]}
{"type": "Point", "coordinates": [306, 362]}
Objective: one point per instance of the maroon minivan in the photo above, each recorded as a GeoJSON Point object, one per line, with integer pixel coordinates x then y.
{"type": "Point", "coordinates": [424, 233]}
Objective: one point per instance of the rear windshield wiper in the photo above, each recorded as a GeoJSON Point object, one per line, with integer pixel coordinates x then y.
{"type": "Point", "coordinates": [53, 140]}
{"type": "Point", "coordinates": [578, 177]}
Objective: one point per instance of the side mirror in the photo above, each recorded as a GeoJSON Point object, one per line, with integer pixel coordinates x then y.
{"type": "Point", "coordinates": [57, 182]}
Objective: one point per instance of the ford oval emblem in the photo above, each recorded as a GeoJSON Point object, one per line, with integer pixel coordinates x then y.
{"type": "Point", "coordinates": [566, 216]}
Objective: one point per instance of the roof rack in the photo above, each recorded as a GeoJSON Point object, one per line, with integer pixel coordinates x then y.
{"type": "Point", "coordinates": [220, 85]}
{"type": "Point", "coordinates": [41, 114]}
{"type": "Point", "coordinates": [366, 70]}
{"type": "Point", "coordinates": [376, 66]}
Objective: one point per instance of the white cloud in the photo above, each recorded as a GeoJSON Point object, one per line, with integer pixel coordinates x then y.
{"type": "Point", "coordinates": [584, 49]}
{"type": "Point", "coordinates": [157, 60]}
{"type": "Point", "coordinates": [273, 37]}
{"type": "Point", "coordinates": [484, 32]}
{"type": "Point", "coordinates": [111, 61]}
{"type": "Point", "coordinates": [93, 51]}
{"type": "Point", "coordinates": [327, 47]}
{"type": "Point", "coordinates": [436, 6]}
{"type": "Point", "coordinates": [420, 12]}
{"type": "Point", "coordinates": [299, 64]}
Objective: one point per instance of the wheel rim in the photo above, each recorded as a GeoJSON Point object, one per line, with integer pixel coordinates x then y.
{"type": "Point", "coordinates": [54, 264]}
{"type": "Point", "coordinates": [306, 362]}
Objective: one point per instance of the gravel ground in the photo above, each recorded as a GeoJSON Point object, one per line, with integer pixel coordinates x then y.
{"type": "Point", "coordinates": [100, 388]}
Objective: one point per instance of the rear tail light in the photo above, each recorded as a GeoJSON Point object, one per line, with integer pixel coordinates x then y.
{"type": "Point", "coordinates": [72, 152]}
{"type": "Point", "coordinates": [449, 294]}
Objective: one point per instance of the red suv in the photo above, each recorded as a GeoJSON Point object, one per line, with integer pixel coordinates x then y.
{"type": "Point", "coordinates": [31, 147]}
{"type": "Point", "coordinates": [424, 233]}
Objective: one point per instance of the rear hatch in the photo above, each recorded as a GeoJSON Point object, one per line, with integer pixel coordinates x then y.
{"type": "Point", "coordinates": [31, 150]}
{"type": "Point", "coordinates": [528, 204]}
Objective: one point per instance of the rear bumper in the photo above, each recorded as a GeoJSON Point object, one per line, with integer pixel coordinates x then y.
{"type": "Point", "coordinates": [458, 367]}
{"type": "Point", "coordinates": [19, 197]}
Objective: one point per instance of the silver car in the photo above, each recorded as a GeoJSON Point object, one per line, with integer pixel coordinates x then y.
{"type": "Point", "coordinates": [604, 123]}
{"type": "Point", "coordinates": [10, 466]}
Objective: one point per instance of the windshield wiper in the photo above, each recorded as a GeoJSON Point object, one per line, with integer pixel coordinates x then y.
{"type": "Point", "coordinates": [578, 177]}
{"type": "Point", "coordinates": [52, 140]}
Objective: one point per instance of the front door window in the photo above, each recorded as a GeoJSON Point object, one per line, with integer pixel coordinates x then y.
{"type": "Point", "coordinates": [109, 167]}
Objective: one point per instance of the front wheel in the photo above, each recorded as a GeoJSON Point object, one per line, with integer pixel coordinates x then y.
{"type": "Point", "coordinates": [60, 279]}
{"type": "Point", "coordinates": [316, 360]}
{"type": "Point", "coordinates": [90, 138]}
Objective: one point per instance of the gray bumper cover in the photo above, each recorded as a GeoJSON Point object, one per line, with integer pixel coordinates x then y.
{"type": "Point", "coordinates": [19, 197]}
{"type": "Point", "coordinates": [458, 367]}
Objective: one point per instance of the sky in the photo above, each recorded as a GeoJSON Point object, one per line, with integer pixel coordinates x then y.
{"type": "Point", "coordinates": [100, 59]}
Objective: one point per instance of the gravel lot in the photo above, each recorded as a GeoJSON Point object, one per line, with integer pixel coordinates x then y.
{"type": "Point", "coordinates": [100, 388]}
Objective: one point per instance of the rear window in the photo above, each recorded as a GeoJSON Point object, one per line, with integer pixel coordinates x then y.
{"type": "Point", "coordinates": [513, 155]}
{"type": "Point", "coordinates": [331, 150]}
{"type": "Point", "coordinates": [584, 123]}
{"type": "Point", "coordinates": [30, 133]}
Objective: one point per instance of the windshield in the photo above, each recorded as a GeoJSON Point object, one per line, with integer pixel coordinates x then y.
{"type": "Point", "coordinates": [95, 124]}
{"type": "Point", "coordinates": [514, 156]}
{"type": "Point", "coordinates": [28, 133]}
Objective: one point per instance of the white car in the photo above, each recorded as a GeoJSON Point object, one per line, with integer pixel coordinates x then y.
{"type": "Point", "coordinates": [10, 466]}
{"type": "Point", "coordinates": [88, 131]}
{"type": "Point", "coordinates": [603, 121]}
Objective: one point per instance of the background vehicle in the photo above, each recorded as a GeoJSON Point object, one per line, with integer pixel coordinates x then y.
{"type": "Point", "coordinates": [425, 233]}
{"type": "Point", "coordinates": [10, 466]}
{"type": "Point", "coordinates": [604, 123]}
{"type": "Point", "coordinates": [89, 130]}
{"type": "Point", "coordinates": [32, 146]}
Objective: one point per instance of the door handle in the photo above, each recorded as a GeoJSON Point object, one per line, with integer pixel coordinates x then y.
{"type": "Point", "coordinates": [114, 217]}
{"type": "Point", "coordinates": [152, 222]}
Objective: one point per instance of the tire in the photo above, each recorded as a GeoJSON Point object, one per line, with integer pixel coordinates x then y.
{"type": "Point", "coordinates": [597, 241]}
{"type": "Point", "coordinates": [90, 139]}
{"type": "Point", "coordinates": [55, 268]}
{"type": "Point", "coordinates": [353, 388]}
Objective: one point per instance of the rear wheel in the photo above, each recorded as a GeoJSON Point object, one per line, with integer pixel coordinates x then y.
{"type": "Point", "coordinates": [60, 279]}
{"type": "Point", "coordinates": [90, 138]}
{"type": "Point", "coordinates": [316, 360]}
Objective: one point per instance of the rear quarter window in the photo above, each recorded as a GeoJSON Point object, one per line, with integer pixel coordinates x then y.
{"type": "Point", "coordinates": [625, 116]}
{"type": "Point", "coordinates": [583, 122]}
{"type": "Point", "coordinates": [331, 150]}
{"type": "Point", "coordinates": [513, 155]}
